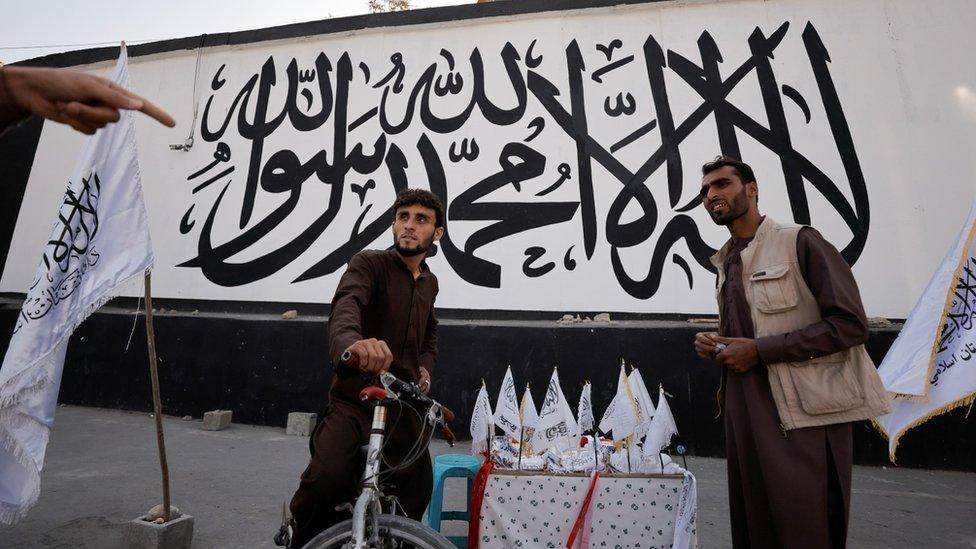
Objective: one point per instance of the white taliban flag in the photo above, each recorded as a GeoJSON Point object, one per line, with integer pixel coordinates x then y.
{"type": "Point", "coordinates": [662, 427]}
{"type": "Point", "coordinates": [556, 423]}
{"type": "Point", "coordinates": [645, 406]}
{"type": "Point", "coordinates": [931, 368]}
{"type": "Point", "coordinates": [507, 408]}
{"type": "Point", "coordinates": [99, 242]}
{"type": "Point", "coordinates": [623, 421]}
{"type": "Point", "coordinates": [908, 367]}
{"type": "Point", "coordinates": [529, 415]}
{"type": "Point", "coordinates": [482, 424]}
{"type": "Point", "coordinates": [606, 422]}
{"type": "Point", "coordinates": [585, 409]}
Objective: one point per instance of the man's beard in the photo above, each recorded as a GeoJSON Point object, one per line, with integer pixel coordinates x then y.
{"type": "Point", "coordinates": [737, 207]}
{"type": "Point", "coordinates": [410, 252]}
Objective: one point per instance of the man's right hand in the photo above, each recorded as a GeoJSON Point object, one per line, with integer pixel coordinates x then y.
{"type": "Point", "coordinates": [374, 356]}
{"type": "Point", "coordinates": [83, 101]}
{"type": "Point", "coordinates": [705, 344]}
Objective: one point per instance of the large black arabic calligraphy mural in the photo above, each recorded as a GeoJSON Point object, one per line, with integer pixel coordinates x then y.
{"type": "Point", "coordinates": [353, 163]}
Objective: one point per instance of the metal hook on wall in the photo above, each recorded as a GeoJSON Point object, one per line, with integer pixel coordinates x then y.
{"type": "Point", "coordinates": [188, 144]}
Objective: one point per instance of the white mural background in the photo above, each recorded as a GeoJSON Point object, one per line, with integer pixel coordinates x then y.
{"type": "Point", "coordinates": [903, 80]}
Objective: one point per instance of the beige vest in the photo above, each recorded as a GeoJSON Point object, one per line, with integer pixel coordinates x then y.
{"type": "Point", "coordinates": [836, 388]}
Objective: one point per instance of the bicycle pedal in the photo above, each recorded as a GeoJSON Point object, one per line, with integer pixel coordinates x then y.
{"type": "Point", "coordinates": [345, 507]}
{"type": "Point", "coordinates": [283, 537]}
{"type": "Point", "coordinates": [285, 531]}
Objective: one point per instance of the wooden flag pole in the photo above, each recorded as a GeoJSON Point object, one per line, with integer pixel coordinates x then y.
{"type": "Point", "coordinates": [157, 405]}
{"type": "Point", "coordinates": [521, 442]}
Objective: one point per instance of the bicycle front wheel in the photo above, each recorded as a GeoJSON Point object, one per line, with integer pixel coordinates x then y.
{"type": "Point", "coordinates": [396, 532]}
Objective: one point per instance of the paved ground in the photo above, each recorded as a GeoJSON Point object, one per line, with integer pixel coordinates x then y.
{"type": "Point", "coordinates": [102, 470]}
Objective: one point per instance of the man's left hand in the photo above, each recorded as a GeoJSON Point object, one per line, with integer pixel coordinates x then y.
{"type": "Point", "coordinates": [741, 354]}
{"type": "Point", "coordinates": [424, 381]}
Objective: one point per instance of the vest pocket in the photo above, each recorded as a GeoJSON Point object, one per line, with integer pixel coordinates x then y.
{"type": "Point", "coordinates": [773, 290]}
{"type": "Point", "coordinates": [826, 385]}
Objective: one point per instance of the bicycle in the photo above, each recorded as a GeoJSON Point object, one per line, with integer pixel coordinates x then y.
{"type": "Point", "coordinates": [370, 527]}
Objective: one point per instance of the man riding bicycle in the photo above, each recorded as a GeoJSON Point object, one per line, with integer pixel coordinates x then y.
{"type": "Point", "coordinates": [383, 314]}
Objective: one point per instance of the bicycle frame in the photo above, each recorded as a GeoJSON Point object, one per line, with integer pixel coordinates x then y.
{"type": "Point", "coordinates": [368, 502]}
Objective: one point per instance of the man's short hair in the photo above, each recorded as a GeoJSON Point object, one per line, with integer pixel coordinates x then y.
{"type": "Point", "coordinates": [423, 197]}
{"type": "Point", "coordinates": [743, 170]}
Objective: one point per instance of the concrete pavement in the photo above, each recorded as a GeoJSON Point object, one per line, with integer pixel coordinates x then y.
{"type": "Point", "coordinates": [102, 470]}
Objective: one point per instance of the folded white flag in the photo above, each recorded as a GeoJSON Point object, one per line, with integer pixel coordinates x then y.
{"type": "Point", "coordinates": [585, 409]}
{"type": "Point", "coordinates": [623, 422]}
{"type": "Point", "coordinates": [100, 241]}
{"type": "Point", "coordinates": [482, 424]}
{"type": "Point", "coordinates": [529, 415]}
{"type": "Point", "coordinates": [645, 406]}
{"type": "Point", "coordinates": [556, 424]}
{"type": "Point", "coordinates": [507, 408]}
{"type": "Point", "coordinates": [931, 367]}
{"type": "Point", "coordinates": [606, 422]}
{"type": "Point", "coordinates": [662, 428]}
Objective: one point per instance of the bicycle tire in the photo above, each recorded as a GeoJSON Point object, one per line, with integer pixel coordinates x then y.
{"type": "Point", "coordinates": [393, 528]}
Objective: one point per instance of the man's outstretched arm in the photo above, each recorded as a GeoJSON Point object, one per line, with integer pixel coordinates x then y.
{"type": "Point", "coordinates": [83, 101]}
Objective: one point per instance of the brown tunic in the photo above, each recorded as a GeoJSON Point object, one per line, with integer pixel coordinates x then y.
{"type": "Point", "coordinates": [789, 489]}
{"type": "Point", "coordinates": [377, 297]}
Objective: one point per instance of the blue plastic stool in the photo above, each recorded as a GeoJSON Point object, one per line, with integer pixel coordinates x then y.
{"type": "Point", "coordinates": [448, 466]}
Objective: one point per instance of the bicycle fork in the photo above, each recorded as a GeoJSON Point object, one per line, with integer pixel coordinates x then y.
{"type": "Point", "coordinates": [369, 506]}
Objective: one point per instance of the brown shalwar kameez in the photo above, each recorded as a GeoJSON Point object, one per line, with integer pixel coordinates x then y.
{"type": "Point", "coordinates": [377, 297]}
{"type": "Point", "coordinates": [789, 489]}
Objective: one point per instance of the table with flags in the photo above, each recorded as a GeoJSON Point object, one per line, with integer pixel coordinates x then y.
{"type": "Point", "coordinates": [551, 480]}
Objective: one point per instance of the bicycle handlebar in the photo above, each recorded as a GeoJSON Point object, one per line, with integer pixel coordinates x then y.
{"type": "Point", "coordinates": [403, 389]}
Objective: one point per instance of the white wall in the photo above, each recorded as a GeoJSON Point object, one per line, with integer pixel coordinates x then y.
{"type": "Point", "coordinates": [901, 70]}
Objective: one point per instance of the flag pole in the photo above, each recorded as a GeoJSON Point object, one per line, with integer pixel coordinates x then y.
{"type": "Point", "coordinates": [490, 430]}
{"type": "Point", "coordinates": [521, 442]}
{"type": "Point", "coordinates": [596, 441]}
{"type": "Point", "coordinates": [157, 406]}
{"type": "Point", "coordinates": [628, 442]}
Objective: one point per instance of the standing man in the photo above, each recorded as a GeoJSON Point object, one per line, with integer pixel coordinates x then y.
{"type": "Point", "coordinates": [383, 312]}
{"type": "Point", "coordinates": [795, 373]}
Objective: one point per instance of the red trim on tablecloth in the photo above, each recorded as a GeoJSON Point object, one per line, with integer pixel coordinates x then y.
{"type": "Point", "coordinates": [584, 510]}
{"type": "Point", "coordinates": [477, 498]}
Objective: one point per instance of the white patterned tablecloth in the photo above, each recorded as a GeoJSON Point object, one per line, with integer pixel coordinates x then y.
{"type": "Point", "coordinates": [533, 510]}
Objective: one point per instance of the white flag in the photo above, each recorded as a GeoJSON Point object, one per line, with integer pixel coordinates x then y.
{"type": "Point", "coordinates": [911, 361]}
{"type": "Point", "coordinates": [100, 241]}
{"type": "Point", "coordinates": [507, 408]}
{"type": "Point", "coordinates": [623, 422]}
{"type": "Point", "coordinates": [585, 409]}
{"type": "Point", "coordinates": [556, 424]}
{"type": "Point", "coordinates": [529, 415]}
{"type": "Point", "coordinates": [933, 361]}
{"type": "Point", "coordinates": [482, 424]}
{"type": "Point", "coordinates": [606, 422]}
{"type": "Point", "coordinates": [645, 406]}
{"type": "Point", "coordinates": [662, 428]}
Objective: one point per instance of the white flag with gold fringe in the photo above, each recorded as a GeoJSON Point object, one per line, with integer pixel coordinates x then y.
{"type": "Point", "coordinates": [931, 367]}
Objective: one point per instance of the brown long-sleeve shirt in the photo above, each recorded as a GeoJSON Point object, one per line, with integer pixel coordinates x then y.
{"type": "Point", "coordinates": [829, 278]}
{"type": "Point", "coordinates": [378, 297]}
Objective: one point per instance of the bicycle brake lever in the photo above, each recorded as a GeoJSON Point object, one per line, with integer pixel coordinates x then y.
{"type": "Point", "coordinates": [448, 435]}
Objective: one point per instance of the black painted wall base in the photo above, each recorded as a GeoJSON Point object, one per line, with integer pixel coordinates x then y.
{"type": "Point", "coordinates": [263, 367]}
